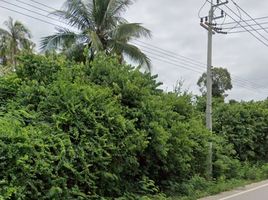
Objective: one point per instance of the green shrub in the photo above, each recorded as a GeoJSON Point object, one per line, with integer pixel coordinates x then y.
{"type": "Point", "coordinates": [103, 130]}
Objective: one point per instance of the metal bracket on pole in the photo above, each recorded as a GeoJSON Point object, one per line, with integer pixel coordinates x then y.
{"type": "Point", "coordinates": [206, 27]}
{"type": "Point", "coordinates": [219, 17]}
{"type": "Point", "coordinates": [221, 32]}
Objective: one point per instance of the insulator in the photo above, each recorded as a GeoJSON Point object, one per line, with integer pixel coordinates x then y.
{"type": "Point", "coordinates": [218, 1]}
{"type": "Point", "coordinates": [222, 12]}
{"type": "Point", "coordinates": [206, 19]}
{"type": "Point", "coordinates": [201, 20]}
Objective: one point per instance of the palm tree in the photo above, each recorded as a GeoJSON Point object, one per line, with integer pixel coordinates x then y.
{"type": "Point", "coordinates": [14, 39]}
{"type": "Point", "coordinates": [100, 28]}
{"type": "Point", "coordinates": [4, 50]}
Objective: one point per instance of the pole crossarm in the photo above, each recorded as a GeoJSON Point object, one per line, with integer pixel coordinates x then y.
{"type": "Point", "coordinates": [209, 25]}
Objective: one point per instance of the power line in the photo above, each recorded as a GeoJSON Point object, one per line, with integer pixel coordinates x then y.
{"type": "Point", "coordinates": [185, 59]}
{"type": "Point", "coordinates": [30, 10]}
{"type": "Point", "coordinates": [243, 31]}
{"type": "Point", "coordinates": [175, 64]}
{"type": "Point", "coordinates": [33, 6]}
{"type": "Point", "coordinates": [187, 67]}
{"type": "Point", "coordinates": [249, 16]}
{"type": "Point", "coordinates": [236, 25]}
{"type": "Point", "coordinates": [201, 9]}
{"type": "Point", "coordinates": [18, 12]}
{"type": "Point", "coordinates": [196, 63]}
{"type": "Point", "coordinates": [229, 23]}
{"type": "Point", "coordinates": [262, 23]}
{"type": "Point", "coordinates": [43, 5]}
{"type": "Point", "coordinates": [37, 13]}
{"type": "Point", "coordinates": [170, 52]}
{"type": "Point", "coordinates": [245, 27]}
{"type": "Point", "coordinates": [188, 60]}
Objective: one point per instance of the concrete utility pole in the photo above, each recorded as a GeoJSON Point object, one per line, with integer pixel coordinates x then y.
{"type": "Point", "coordinates": [212, 29]}
{"type": "Point", "coordinates": [209, 64]}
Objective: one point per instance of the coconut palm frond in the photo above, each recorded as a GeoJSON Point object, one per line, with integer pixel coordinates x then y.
{"type": "Point", "coordinates": [119, 6]}
{"type": "Point", "coordinates": [125, 32]}
{"type": "Point", "coordinates": [76, 13]}
{"type": "Point", "coordinates": [21, 31]}
{"type": "Point", "coordinates": [111, 12]}
{"type": "Point", "coordinates": [102, 29]}
{"type": "Point", "coordinates": [57, 40]}
{"type": "Point", "coordinates": [134, 53]}
{"type": "Point", "coordinates": [4, 32]}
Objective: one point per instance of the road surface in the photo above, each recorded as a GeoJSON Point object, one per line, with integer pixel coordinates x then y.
{"type": "Point", "coordinates": [256, 191]}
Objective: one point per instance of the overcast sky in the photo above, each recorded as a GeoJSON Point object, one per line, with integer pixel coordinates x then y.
{"type": "Point", "coordinates": [175, 28]}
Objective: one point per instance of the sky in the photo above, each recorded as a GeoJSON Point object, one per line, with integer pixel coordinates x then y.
{"type": "Point", "coordinates": [175, 27]}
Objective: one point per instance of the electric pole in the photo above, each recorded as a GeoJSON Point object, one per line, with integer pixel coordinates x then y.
{"type": "Point", "coordinates": [209, 65]}
{"type": "Point", "coordinates": [212, 29]}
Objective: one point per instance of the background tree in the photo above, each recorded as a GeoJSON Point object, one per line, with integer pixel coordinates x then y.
{"type": "Point", "coordinates": [101, 28]}
{"type": "Point", "coordinates": [4, 50]}
{"type": "Point", "coordinates": [221, 82]}
{"type": "Point", "coordinates": [14, 38]}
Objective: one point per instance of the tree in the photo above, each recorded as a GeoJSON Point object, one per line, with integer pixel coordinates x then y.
{"type": "Point", "coordinates": [14, 39]}
{"type": "Point", "coordinates": [221, 82]}
{"type": "Point", "coordinates": [3, 50]}
{"type": "Point", "coordinates": [101, 28]}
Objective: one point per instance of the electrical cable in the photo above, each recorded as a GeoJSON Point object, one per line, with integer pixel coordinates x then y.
{"type": "Point", "coordinates": [43, 5]}
{"type": "Point", "coordinates": [246, 28]}
{"type": "Point", "coordinates": [37, 13]}
{"type": "Point", "coordinates": [196, 64]}
{"type": "Point", "coordinates": [189, 59]}
{"type": "Point", "coordinates": [240, 83]}
{"type": "Point", "coordinates": [33, 6]}
{"type": "Point", "coordinates": [246, 25]}
{"type": "Point", "coordinates": [237, 24]}
{"type": "Point", "coordinates": [249, 16]}
{"type": "Point", "coordinates": [21, 13]}
{"type": "Point", "coordinates": [201, 9]}
{"type": "Point", "coordinates": [184, 58]}
{"type": "Point", "coordinates": [249, 20]}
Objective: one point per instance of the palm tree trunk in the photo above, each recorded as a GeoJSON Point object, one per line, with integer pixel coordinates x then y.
{"type": "Point", "coordinates": [14, 53]}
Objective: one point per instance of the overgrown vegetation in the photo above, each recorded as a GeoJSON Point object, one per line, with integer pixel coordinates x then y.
{"type": "Point", "coordinates": [103, 130]}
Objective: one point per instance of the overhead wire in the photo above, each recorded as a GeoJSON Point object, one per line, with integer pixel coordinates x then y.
{"type": "Point", "coordinates": [249, 16]}
{"type": "Point", "coordinates": [202, 8]}
{"type": "Point", "coordinates": [32, 11]}
{"type": "Point", "coordinates": [37, 13]}
{"type": "Point", "coordinates": [236, 25]}
{"type": "Point", "coordinates": [245, 25]}
{"type": "Point", "coordinates": [260, 40]}
{"type": "Point", "coordinates": [44, 5]}
{"type": "Point", "coordinates": [33, 6]}
{"type": "Point", "coordinates": [21, 13]}
{"type": "Point", "coordinates": [252, 28]}
{"type": "Point", "coordinates": [243, 31]}
{"type": "Point", "coordinates": [238, 82]}
{"type": "Point", "coordinates": [184, 59]}
{"type": "Point", "coordinates": [249, 20]}
{"type": "Point", "coordinates": [193, 63]}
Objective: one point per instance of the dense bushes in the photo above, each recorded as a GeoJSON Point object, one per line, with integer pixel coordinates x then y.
{"type": "Point", "coordinates": [100, 131]}
{"type": "Point", "coordinates": [245, 125]}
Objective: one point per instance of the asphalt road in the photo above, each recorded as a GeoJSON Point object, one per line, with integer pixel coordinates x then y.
{"type": "Point", "coordinates": [256, 191]}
